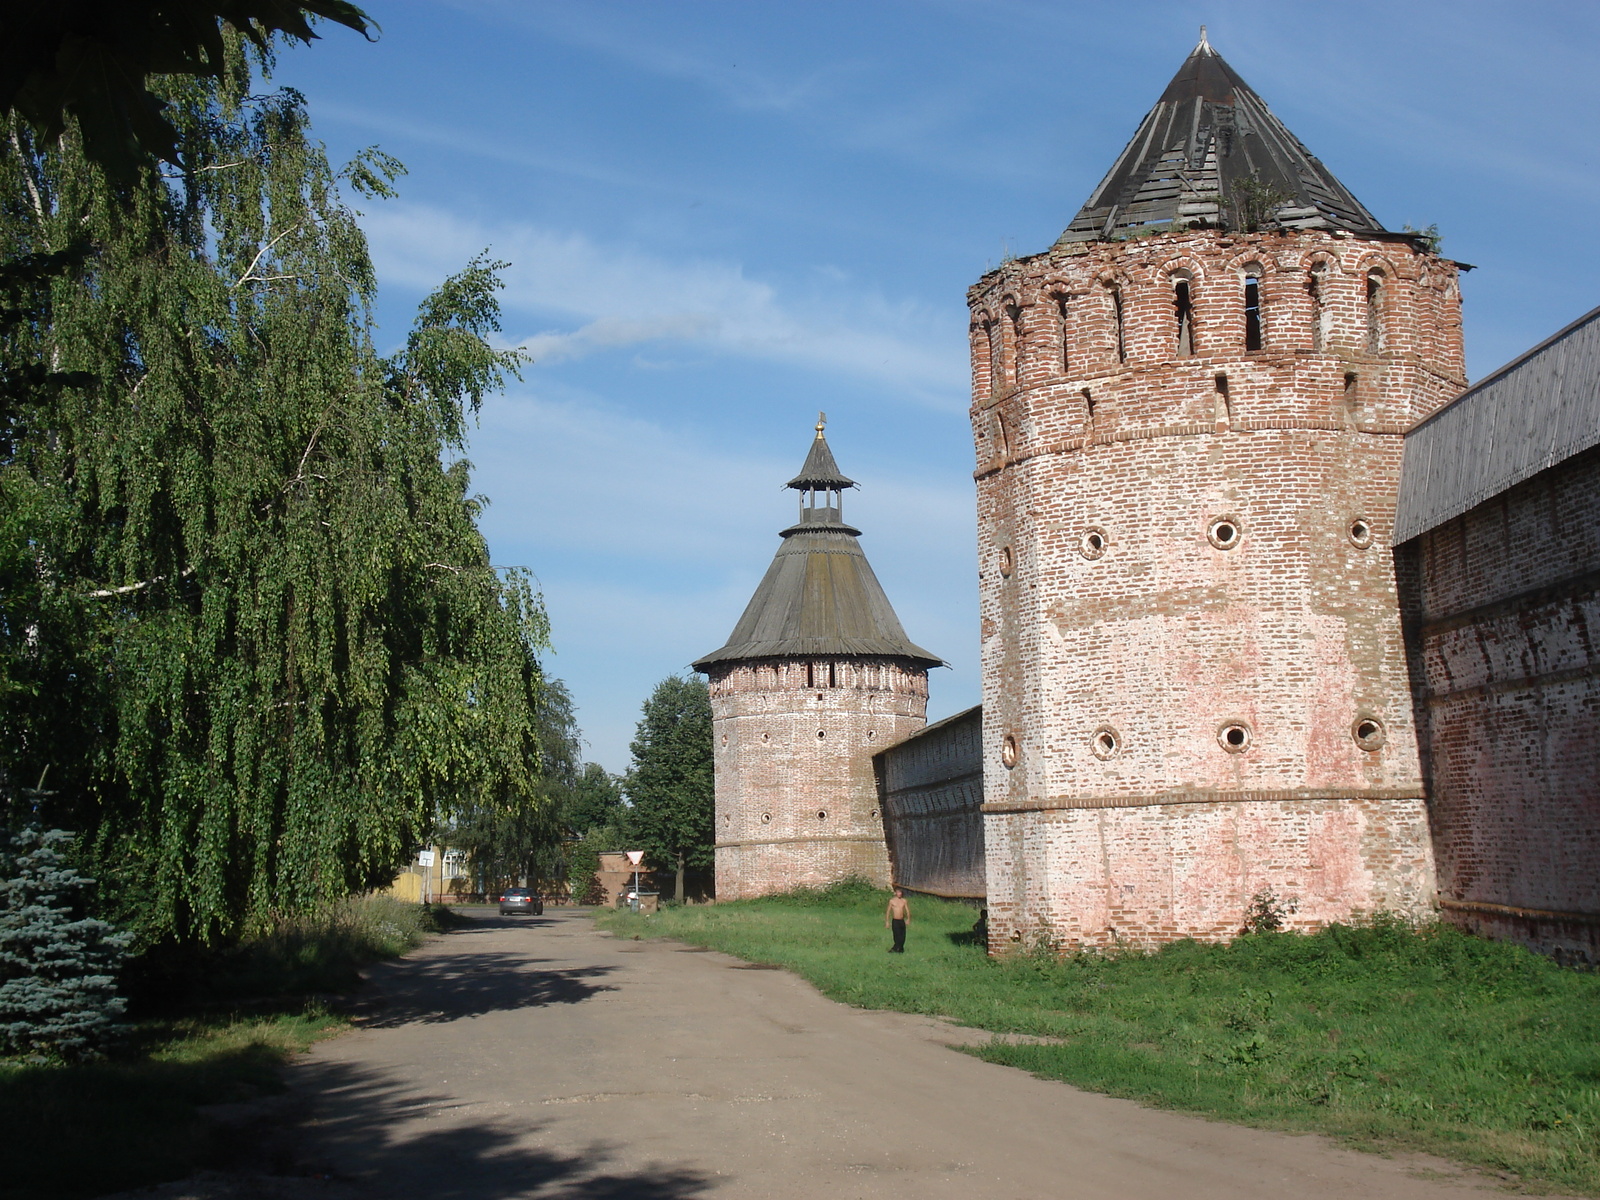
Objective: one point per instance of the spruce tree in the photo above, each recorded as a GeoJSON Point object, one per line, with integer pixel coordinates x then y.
{"type": "Point", "coordinates": [58, 968]}
{"type": "Point", "coordinates": [255, 632]}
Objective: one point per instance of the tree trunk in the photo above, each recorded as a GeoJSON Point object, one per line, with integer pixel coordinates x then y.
{"type": "Point", "coordinates": [682, 899]}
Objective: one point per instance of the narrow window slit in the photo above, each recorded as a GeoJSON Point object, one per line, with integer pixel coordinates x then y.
{"type": "Point", "coordinates": [1182, 302]}
{"type": "Point", "coordinates": [1252, 313]}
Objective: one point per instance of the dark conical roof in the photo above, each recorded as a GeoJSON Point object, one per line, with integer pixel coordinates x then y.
{"type": "Point", "coordinates": [820, 471]}
{"type": "Point", "coordinates": [1211, 153]}
{"type": "Point", "coordinates": [819, 596]}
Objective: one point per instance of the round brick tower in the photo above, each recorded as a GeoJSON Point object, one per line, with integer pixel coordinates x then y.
{"type": "Point", "coordinates": [1188, 417]}
{"type": "Point", "coordinates": [817, 676]}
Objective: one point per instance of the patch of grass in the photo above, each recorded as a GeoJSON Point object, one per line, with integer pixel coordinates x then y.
{"type": "Point", "coordinates": [217, 1030]}
{"type": "Point", "coordinates": [1383, 1035]}
{"type": "Point", "coordinates": [86, 1129]}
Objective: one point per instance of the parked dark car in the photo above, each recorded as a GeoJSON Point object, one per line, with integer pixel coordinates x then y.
{"type": "Point", "coordinates": [520, 900]}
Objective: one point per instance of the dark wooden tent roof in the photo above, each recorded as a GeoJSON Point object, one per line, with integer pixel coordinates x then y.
{"type": "Point", "coordinates": [1211, 153]}
{"type": "Point", "coordinates": [820, 471]}
{"type": "Point", "coordinates": [819, 597]}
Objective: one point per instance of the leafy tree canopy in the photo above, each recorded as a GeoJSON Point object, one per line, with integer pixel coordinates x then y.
{"type": "Point", "coordinates": [90, 62]}
{"type": "Point", "coordinates": [669, 785]}
{"type": "Point", "coordinates": [247, 619]}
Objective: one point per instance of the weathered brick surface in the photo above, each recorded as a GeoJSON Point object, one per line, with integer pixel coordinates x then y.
{"type": "Point", "coordinates": [1120, 639]}
{"type": "Point", "coordinates": [930, 792]}
{"type": "Point", "coordinates": [796, 799]}
{"type": "Point", "coordinates": [1506, 599]}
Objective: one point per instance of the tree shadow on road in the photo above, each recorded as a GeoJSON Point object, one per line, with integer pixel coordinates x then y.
{"type": "Point", "coordinates": [363, 1133]}
{"type": "Point", "coordinates": [448, 988]}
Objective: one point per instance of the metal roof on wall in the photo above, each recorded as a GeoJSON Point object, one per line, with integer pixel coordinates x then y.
{"type": "Point", "coordinates": [1531, 414]}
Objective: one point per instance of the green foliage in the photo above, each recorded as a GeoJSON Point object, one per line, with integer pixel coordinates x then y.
{"type": "Point", "coordinates": [1255, 201]}
{"type": "Point", "coordinates": [593, 800]}
{"type": "Point", "coordinates": [320, 951]}
{"type": "Point", "coordinates": [669, 785]}
{"type": "Point", "coordinates": [89, 64]}
{"type": "Point", "coordinates": [1384, 1034]}
{"type": "Point", "coordinates": [516, 835]}
{"type": "Point", "coordinates": [583, 861]}
{"type": "Point", "coordinates": [1430, 238]}
{"type": "Point", "coordinates": [58, 968]}
{"type": "Point", "coordinates": [256, 635]}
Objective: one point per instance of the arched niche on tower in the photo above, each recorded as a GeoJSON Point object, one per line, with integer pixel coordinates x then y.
{"type": "Point", "coordinates": [981, 332]}
{"type": "Point", "coordinates": [1183, 311]}
{"type": "Point", "coordinates": [1249, 304]}
{"type": "Point", "coordinates": [1310, 323]}
{"type": "Point", "coordinates": [1379, 332]}
{"type": "Point", "coordinates": [1107, 324]}
{"type": "Point", "coordinates": [1013, 341]}
{"type": "Point", "coordinates": [1054, 313]}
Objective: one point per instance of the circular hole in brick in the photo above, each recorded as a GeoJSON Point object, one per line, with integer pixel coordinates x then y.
{"type": "Point", "coordinates": [1234, 737]}
{"type": "Point", "coordinates": [766, 818]}
{"type": "Point", "coordinates": [1224, 532]}
{"type": "Point", "coordinates": [1106, 742]}
{"type": "Point", "coordinates": [873, 814]}
{"type": "Point", "coordinates": [724, 739]}
{"type": "Point", "coordinates": [1368, 733]}
{"type": "Point", "coordinates": [1361, 533]}
{"type": "Point", "coordinates": [1007, 562]}
{"type": "Point", "coordinates": [1008, 751]}
{"type": "Point", "coordinates": [822, 814]}
{"type": "Point", "coordinates": [1093, 543]}
{"type": "Point", "coordinates": [821, 734]}
{"type": "Point", "coordinates": [766, 737]}
{"type": "Point", "coordinates": [870, 735]}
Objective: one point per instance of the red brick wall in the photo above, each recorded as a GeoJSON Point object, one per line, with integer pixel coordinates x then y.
{"type": "Point", "coordinates": [1507, 609]}
{"type": "Point", "coordinates": [1120, 640]}
{"type": "Point", "coordinates": [797, 803]}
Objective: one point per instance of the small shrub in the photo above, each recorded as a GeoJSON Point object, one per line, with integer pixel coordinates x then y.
{"type": "Point", "coordinates": [1267, 913]}
{"type": "Point", "coordinates": [843, 893]}
{"type": "Point", "coordinates": [58, 969]}
{"type": "Point", "coordinates": [321, 951]}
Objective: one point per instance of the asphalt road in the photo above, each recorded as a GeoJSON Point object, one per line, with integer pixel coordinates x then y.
{"type": "Point", "coordinates": [538, 1057]}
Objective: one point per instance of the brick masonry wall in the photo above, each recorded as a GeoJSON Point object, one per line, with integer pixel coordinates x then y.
{"type": "Point", "coordinates": [796, 798]}
{"type": "Point", "coordinates": [930, 791]}
{"type": "Point", "coordinates": [1177, 545]}
{"type": "Point", "coordinates": [1506, 602]}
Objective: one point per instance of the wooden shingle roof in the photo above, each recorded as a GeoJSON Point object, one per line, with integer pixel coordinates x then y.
{"type": "Point", "coordinates": [1212, 153]}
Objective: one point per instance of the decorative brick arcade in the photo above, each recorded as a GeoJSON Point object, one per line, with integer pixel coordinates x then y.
{"type": "Point", "coordinates": [817, 676]}
{"type": "Point", "coordinates": [1187, 418]}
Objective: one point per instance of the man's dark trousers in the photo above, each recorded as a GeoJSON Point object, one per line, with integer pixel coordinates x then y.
{"type": "Point", "coordinates": [899, 928]}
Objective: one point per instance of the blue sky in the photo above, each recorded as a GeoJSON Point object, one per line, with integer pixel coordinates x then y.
{"type": "Point", "coordinates": [722, 216]}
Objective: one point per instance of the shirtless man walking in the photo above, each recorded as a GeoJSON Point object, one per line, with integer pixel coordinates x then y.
{"type": "Point", "coordinates": [895, 918]}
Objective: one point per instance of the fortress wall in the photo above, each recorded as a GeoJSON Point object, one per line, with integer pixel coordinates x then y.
{"type": "Point", "coordinates": [796, 798]}
{"type": "Point", "coordinates": [930, 790]}
{"type": "Point", "coordinates": [1505, 602]}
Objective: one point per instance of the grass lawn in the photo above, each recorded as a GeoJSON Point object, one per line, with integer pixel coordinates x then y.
{"type": "Point", "coordinates": [1383, 1036]}
{"type": "Point", "coordinates": [70, 1131]}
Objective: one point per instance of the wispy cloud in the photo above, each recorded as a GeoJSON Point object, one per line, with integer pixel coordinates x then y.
{"type": "Point", "coordinates": [609, 297]}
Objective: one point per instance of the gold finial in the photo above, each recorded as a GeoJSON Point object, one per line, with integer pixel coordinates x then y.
{"type": "Point", "coordinates": [822, 419]}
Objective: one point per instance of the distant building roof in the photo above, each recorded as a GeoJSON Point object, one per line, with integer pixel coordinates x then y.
{"type": "Point", "coordinates": [1534, 412]}
{"type": "Point", "coordinates": [1211, 153]}
{"type": "Point", "coordinates": [819, 596]}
